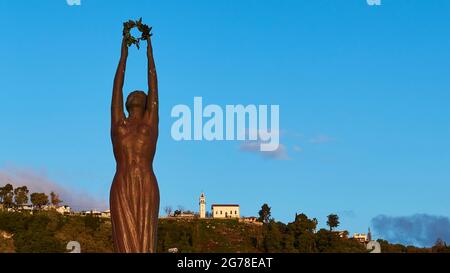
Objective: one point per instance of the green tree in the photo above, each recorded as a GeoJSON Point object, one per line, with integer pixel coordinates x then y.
{"type": "Point", "coordinates": [264, 214]}
{"type": "Point", "coordinates": [39, 199]}
{"type": "Point", "coordinates": [21, 195]}
{"type": "Point", "coordinates": [273, 237]}
{"type": "Point", "coordinates": [325, 241]}
{"type": "Point", "coordinates": [302, 231]}
{"type": "Point", "coordinates": [177, 212]}
{"type": "Point", "coordinates": [333, 221]}
{"type": "Point", "coordinates": [288, 243]}
{"type": "Point", "coordinates": [331, 242]}
{"type": "Point", "coordinates": [54, 199]}
{"type": "Point", "coordinates": [7, 195]}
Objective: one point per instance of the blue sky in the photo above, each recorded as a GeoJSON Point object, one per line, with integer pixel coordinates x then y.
{"type": "Point", "coordinates": [363, 94]}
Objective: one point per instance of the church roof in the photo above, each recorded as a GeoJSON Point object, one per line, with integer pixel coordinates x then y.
{"type": "Point", "coordinates": [224, 205]}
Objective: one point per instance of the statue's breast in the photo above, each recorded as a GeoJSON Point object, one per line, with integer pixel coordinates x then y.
{"type": "Point", "coordinates": [131, 135]}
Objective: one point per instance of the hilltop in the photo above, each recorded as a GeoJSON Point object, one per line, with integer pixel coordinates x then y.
{"type": "Point", "coordinates": [47, 227]}
{"type": "Point", "coordinates": [49, 231]}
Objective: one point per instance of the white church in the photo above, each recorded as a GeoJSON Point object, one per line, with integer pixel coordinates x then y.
{"type": "Point", "coordinates": [219, 211]}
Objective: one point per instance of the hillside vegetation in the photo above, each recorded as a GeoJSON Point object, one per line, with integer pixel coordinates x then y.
{"type": "Point", "coordinates": [49, 231]}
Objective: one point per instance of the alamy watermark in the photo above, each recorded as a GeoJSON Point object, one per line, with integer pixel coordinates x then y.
{"type": "Point", "coordinates": [233, 122]}
{"type": "Point", "coordinates": [73, 247]}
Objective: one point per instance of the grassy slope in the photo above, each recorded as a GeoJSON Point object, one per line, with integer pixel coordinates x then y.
{"type": "Point", "coordinates": [203, 236]}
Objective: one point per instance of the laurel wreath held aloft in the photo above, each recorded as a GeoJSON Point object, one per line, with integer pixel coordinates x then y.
{"type": "Point", "coordinates": [130, 39]}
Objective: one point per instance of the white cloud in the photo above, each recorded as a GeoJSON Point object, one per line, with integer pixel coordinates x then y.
{"type": "Point", "coordinates": [254, 147]}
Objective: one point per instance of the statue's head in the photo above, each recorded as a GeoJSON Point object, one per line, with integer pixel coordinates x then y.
{"type": "Point", "coordinates": [136, 101]}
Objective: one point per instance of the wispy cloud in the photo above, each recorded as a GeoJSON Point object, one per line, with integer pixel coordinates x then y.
{"type": "Point", "coordinates": [297, 149]}
{"type": "Point", "coordinates": [320, 139]}
{"type": "Point", "coordinates": [254, 147]}
{"type": "Point", "coordinates": [347, 213]}
{"type": "Point", "coordinates": [39, 182]}
{"type": "Point", "coordinates": [418, 229]}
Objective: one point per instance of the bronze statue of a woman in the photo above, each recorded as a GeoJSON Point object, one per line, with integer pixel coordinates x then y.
{"type": "Point", "coordinates": [134, 197]}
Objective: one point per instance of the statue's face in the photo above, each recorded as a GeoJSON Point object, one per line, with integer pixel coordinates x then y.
{"type": "Point", "coordinates": [137, 100]}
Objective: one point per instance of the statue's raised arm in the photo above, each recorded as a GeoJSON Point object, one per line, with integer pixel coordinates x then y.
{"type": "Point", "coordinates": [152, 98]}
{"type": "Point", "coordinates": [117, 113]}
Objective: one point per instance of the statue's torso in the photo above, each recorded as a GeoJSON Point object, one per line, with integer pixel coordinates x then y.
{"type": "Point", "coordinates": [133, 144]}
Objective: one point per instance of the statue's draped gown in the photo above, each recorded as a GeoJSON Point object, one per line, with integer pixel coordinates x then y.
{"type": "Point", "coordinates": [134, 196]}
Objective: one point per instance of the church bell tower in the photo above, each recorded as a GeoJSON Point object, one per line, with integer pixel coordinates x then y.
{"type": "Point", "coordinates": [202, 204]}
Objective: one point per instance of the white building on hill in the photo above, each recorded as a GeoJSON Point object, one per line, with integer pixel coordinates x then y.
{"type": "Point", "coordinates": [361, 237]}
{"type": "Point", "coordinates": [223, 211]}
{"type": "Point", "coordinates": [64, 210]}
{"type": "Point", "coordinates": [218, 211]}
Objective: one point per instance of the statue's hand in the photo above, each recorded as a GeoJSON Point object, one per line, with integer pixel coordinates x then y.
{"type": "Point", "coordinates": [145, 29]}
